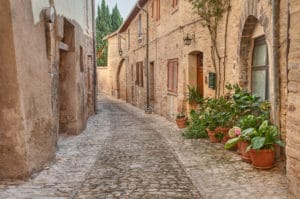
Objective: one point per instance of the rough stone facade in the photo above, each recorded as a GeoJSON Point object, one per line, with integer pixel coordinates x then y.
{"type": "Point", "coordinates": [247, 20]}
{"type": "Point", "coordinates": [293, 98]}
{"type": "Point", "coordinates": [46, 85]}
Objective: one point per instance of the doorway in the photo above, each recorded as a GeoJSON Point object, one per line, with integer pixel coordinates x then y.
{"type": "Point", "coordinates": [200, 85]}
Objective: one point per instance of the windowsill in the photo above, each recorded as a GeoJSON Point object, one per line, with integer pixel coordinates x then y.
{"type": "Point", "coordinates": [174, 10]}
{"type": "Point", "coordinates": [172, 93]}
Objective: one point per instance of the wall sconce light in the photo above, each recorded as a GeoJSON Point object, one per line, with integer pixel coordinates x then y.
{"type": "Point", "coordinates": [188, 39]}
{"type": "Point", "coordinates": [120, 52]}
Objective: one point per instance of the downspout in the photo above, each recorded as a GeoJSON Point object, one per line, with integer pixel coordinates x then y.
{"type": "Point", "coordinates": [148, 108]}
{"type": "Point", "coordinates": [275, 69]}
{"type": "Point", "coordinates": [94, 57]}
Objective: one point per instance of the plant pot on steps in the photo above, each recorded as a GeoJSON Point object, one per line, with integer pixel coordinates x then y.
{"type": "Point", "coordinates": [263, 158]}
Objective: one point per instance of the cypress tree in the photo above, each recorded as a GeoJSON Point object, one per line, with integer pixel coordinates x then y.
{"type": "Point", "coordinates": [116, 19]}
{"type": "Point", "coordinates": [106, 23]}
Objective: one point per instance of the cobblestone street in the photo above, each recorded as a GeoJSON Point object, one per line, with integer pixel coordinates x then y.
{"type": "Point", "coordinates": [124, 153]}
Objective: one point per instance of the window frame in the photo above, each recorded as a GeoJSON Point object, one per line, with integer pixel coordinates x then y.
{"type": "Point", "coordinates": [174, 3]}
{"type": "Point", "coordinates": [258, 42]}
{"type": "Point", "coordinates": [157, 17]}
{"type": "Point", "coordinates": [139, 74]}
{"type": "Point", "coordinates": [140, 28]}
{"type": "Point", "coordinates": [171, 88]}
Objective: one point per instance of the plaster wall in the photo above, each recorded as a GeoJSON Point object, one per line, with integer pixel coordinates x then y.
{"type": "Point", "coordinates": [29, 78]}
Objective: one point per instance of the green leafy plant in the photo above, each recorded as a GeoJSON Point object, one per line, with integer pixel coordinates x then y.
{"type": "Point", "coordinates": [265, 137]}
{"type": "Point", "coordinates": [194, 95]}
{"type": "Point", "coordinates": [197, 126]}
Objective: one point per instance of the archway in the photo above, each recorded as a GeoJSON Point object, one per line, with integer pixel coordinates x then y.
{"type": "Point", "coordinates": [254, 59]}
{"type": "Point", "coordinates": [195, 74]}
{"type": "Point", "coordinates": [67, 82]}
{"type": "Point", "coordinates": [121, 81]}
{"type": "Point", "coordinates": [195, 70]}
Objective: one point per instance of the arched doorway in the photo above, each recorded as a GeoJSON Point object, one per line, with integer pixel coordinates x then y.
{"type": "Point", "coordinates": [121, 81]}
{"type": "Point", "coordinates": [254, 59]}
{"type": "Point", "coordinates": [195, 71]}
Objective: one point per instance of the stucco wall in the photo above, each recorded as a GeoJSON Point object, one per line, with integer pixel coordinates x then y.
{"type": "Point", "coordinates": [30, 58]}
{"type": "Point", "coordinates": [77, 10]}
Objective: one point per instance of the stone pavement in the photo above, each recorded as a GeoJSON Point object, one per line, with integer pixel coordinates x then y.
{"type": "Point", "coordinates": [124, 153]}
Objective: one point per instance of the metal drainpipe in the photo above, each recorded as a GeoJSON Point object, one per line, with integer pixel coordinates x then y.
{"type": "Point", "coordinates": [148, 108]}
{"type": "Point", "coordinates": [94, 57]}
{"type": "Point", "coordinates": [275, 71]}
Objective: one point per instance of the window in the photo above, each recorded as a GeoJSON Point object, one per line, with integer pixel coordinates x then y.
{"type": "Point", "coordinates": [128, 39]}
{"type": "Point", "coordinates": [139, 74]}
{"type": "Point", "coordinates": [172, 75]}
{"type": "Point", "coordinates": [175, 3]}
{"type": "Point", "coordinates": [140, 26]}
{"type": "Point", "coordinates": [81, 60]}
{"type": "Point", "coordinates": [157, 10]}
{"type": "Point", "coordinates": [260, 69]}
{"type": "Point", "coordinates": [152, 9]}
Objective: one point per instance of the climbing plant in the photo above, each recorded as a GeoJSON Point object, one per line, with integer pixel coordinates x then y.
{"type": "Point", "coordinates": [211, 12]}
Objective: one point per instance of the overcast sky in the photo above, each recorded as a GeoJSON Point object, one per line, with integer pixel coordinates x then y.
{"type": "Point", "coordinates": [124, 6]}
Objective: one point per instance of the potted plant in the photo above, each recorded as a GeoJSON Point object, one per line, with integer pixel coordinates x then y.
{"type": "Point", "coordinates": [262, 145]}
{"type": "Point", "coordinates": [181, 120]}
{"type": "Point", "coordinates": [242, 140]}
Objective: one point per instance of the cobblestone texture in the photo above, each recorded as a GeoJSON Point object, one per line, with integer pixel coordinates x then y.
{"type": "Point", "coordinates": [124, 153]}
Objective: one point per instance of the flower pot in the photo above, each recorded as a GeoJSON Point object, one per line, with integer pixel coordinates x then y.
{"type": "Point", "coordinates": [212, 136]}
{"type": "Point", "coordinates": [262, 159]}
{"type": "Point", "coordinates": [181, 123]}
{"type": "Point", "coordinates": [238, 149]}
{"type": "Point", "coordinates": [224, 131]}
{"type": "Point", "coordinates": [245, 155]}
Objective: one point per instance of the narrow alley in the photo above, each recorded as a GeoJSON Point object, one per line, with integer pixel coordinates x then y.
{"type": "Point", "coordinates": [124, 153]}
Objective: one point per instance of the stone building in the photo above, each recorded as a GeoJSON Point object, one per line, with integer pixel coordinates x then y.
{"type": "Point", "coordinates": [258, 43]}
{"type": "Point", "coordinates": [47, 79]}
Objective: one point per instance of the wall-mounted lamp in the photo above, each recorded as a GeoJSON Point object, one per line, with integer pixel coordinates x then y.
{"type": "Point", "coordinates": [120, 52]}
{"type": "Point", "coordinates": [188, 39]}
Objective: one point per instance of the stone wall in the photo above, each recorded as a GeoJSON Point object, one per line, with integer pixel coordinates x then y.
{"type": "Point", "coordinates": [104, 85]}
{"type": "Point", "coordinates": [32, 79]}
{"type": "Point", "coordinates": [166, 42]}
{"type": "Point", "coordinates": [293, 119]}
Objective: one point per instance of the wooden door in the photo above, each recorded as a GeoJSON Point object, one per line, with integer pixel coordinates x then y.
{"type": "Point", "coordinates": [200, 84]}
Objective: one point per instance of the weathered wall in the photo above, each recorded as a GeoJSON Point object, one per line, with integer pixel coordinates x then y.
{"type": "Point", "coordinates": [104, 85]}
{"type": "Point", "coordinates": [13, 151]}
{"type": "Point", "coordinates": [293, 120]}
{"type": "Point", "coordinates": [30, 82]}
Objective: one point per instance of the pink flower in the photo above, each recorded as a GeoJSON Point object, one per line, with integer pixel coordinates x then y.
{"type": "Point", "coordinates": [237, 131]}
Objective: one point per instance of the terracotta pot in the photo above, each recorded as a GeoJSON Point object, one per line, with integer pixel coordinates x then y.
{"type": "Point", "coordinates": [238, 149]}
{"type": "Point", "coordinates": [225, 133]}
{"type": "Point", "coordinates": [245, 155]}
{"type": "Point", "coordinates": [181, 123]}
{"type": "Point", "coordinates": [212, 136]}
{"type": "Point", "coordinates": [262, 159]}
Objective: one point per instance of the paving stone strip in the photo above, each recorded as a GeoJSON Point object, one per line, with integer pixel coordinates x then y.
{"type": "Point", "coordinates": [126, 154]}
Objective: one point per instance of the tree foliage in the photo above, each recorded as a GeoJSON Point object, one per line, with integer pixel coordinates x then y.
{"type": "Point", "coordinates": [211, 12]}
{"type": "Point", "coordinates": [106, 23]}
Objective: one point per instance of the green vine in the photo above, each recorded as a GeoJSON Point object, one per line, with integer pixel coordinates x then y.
{"type": "Point", "coordinates": [211, 12]}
